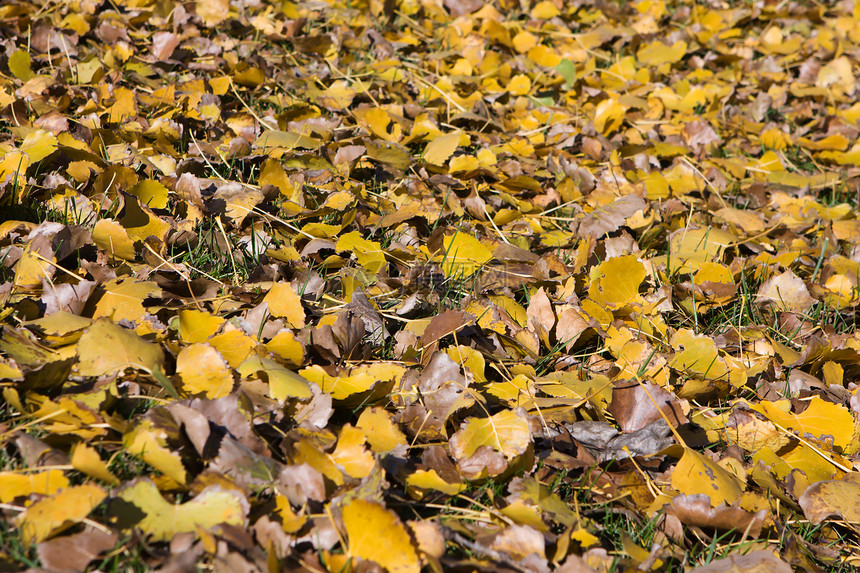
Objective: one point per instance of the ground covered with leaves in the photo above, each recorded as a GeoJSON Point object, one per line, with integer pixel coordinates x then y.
{"type": "Point", "coordinates": [429, 284]}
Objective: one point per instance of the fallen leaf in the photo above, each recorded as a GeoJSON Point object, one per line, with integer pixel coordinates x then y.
{"type": "Point", "coordinates": [107, 348]}
{"type": "Point", "coordinates": [139, 504]}
{"type": "Point", "coordinates": [73, 553]}
{"type": "Point", "coordinates": [506, 432]}
{"type": "Point", "coordinates": [58, 512]}
{"type": "Point", "coordinates": [696, 474]}
{"type": "Point", "coordinates": [831, 498]}
{"type": "Point", "coordinates": [204, 371]}
{"type": "Point", "coordinates": [376, 534]}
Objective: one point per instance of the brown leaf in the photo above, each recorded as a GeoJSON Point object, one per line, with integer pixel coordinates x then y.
{"type": "Point", "coordinates": [163, 44]}
{"type": "Point", "coordinates": [443, 390]}
{"type": "Point", "coordinates": [541, 318]}
{"type": "Point", "coordinates": [761, 561]}
{"type": "Point", "coordinates": [633, 409]}
{"type": "Point", "coordinates": [786, 292]}
{"type": "Point", "coordinates": [462, 7]}
{"type": "Point", "coordinates": [72, 553]}
{"type": "Point", "coordinates": [610, 218]}
{"type": "Point", "coordinates": [443, 325]}
{"type": "Point", "coordinates": [828, 498]}
{"type": "Point", "coordinates": [697, 510]}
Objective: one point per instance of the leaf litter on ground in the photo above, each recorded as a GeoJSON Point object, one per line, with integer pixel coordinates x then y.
{"type": "Point", "coordinates": [429, 285]}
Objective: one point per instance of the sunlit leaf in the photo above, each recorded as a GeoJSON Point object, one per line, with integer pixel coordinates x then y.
{"type": "Point", "coordinates": [161, 520]}
{"type": "Point", "coordinates": [696, 474]}
{"type": "Point", "coordinates": [107, 348]}
{"type": "Point", "coordinates": [60, 511]}
{"type": "Point", "coordinates": [376, 534]}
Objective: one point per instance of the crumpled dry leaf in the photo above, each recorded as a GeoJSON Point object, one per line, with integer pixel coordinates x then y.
{"type": "Point", "coordinates": [754, 562]}
{"type": "Point", "coordinates": [697, 510]}
{"type": "Point", "coordinates": [828, 498]}
{"type": "Point", "coordinates": [786, 292]}
{"type": "Point", "coordinates": [442, 390]}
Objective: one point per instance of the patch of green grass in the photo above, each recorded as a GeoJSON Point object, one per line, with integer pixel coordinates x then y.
{"type": "Point", "coordinates": [212, 255]}
{"type": "Point", "coordinates": [14, 551]}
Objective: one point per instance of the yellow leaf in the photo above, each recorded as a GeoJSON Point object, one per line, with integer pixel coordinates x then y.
{"type": "Point", "coordinates": [698, 355]}
{"type": "Point", "coordinates": [688, 248]}
{"type": "Point", "coordinates": [377, 534]}
{"type": "Point", "coordinates": [615, 283]}
{"type": "Point", "coordinates": [583, 537]}
{"type": "Point", "coordinates": [13, 167]}
{"type": "Point", "coordinates": [469, 358]}
{"type": "Point", "coordinates": [440, 149]}
{"type": "Point", "coordinates": [463, 163]}
{"type": "Point", "coordinates": [285, 303]}
{"type": "Point", "coordinates": [124, 105]}
{"type": "Point", "coordinates": [339, 200]}
{"type": "Point", "coordinates": [112, 237]}
{"type": "Point", "coordinates": [514, 392]}
{"type": "Point", "coordinates": [306, 452]}
{"type": "Point", "coordinates": [107, 348]}
{"type": "Point", "coordinates": [290, 522]}
{"type": "Point", "coordinates": [507, 432]}
{"type": "Point", "coordinates": [58, 512]}
{"type": "Point", "coordinates": [800, 457]}
{"type": "Point", "coordinates": [356, 380]}
{"type": "Point", "coordinates": [204, 371]}
{"type": "Point", "coordinates": [774, 138]}
{"type": "Point", "coordinates": [337, 96]}
{"type": "Point", "coordinates": [14, 485]}
{"type": "Point", "coordinates": [163, 519]}
{"type": "Point", "coordinates": [752, 433]}
{"type": "Point", "coordinates": [822, 421]}
{"type": "Point", "coordinates": [39, 145]}
{"type": "Point", "coordinates": [197, 325]}
{"type": "Point", "coordinates": [87, 460]}
{"type": "Point", "coordinates": [350, 454]}
{"type": "Point", "coordinates": [520, 85]}
{"type": "Point", "coordinates": [32, 268]}
{"type": "Point", "coordinates": [151, 193]}
{"type": "Point", "coordinates": [377, 120]}
{"type": "Point", "coordinates": [148, 442]}
{"type": "Point", "coordinates": [696, 474]}
{"type": "Point", "coordinates": [544, 56]}
{"type": "Point", "coordinates": [608, 116]}
{"type": "Point", "coordinates": [544, 10]}
{"type": "Point", "coordinates": [524, 41]}
{"type": "Point", "coordinates": [286, 140]}
{"type": "Point", "coordinates": [369, 254]}
{"type": "Point", "coordinates": [833, 373]}
{"type": "Point", "coordinates": [430, 480]}
{"type": "Point", "coordinates": [838, 73]}
{"type": "Point", "coordinates": [513, 309]}
{"type": "Point", "coordinates": [272, 173]}
{"type": "Point", "coordinates": [657, 53]}
{"type": "Point", "coordinates": [283, 383]}
{"type": "Point", "coordinates": [463, 255]}
{"type": "Point", "coordinates": [234, 345]}
{"type": "Point", "coordinates": [285, 345]}
{"type": "Point", "coordinates": [19, 65]}
{"type": "Point", "coordinates": [381, 432]}
{"type": "Point", "coordinates": [212, 12]}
